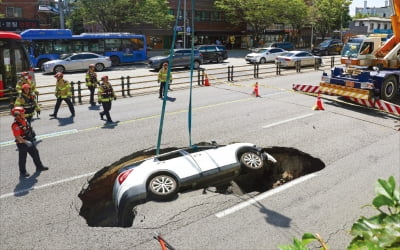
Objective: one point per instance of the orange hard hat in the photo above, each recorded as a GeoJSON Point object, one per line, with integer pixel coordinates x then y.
{"type": "Point", "coordinates": [26, 86]}
{"type": "Point", "coordinates": [17, 111]}
{"type": "Point", "coordinates": [104, 77]}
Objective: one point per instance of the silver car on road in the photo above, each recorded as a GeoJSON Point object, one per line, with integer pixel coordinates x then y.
{"type": "Point", "coordinates": [76, 62]}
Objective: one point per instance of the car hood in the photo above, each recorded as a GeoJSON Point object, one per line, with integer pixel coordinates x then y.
{"type": "Point", "coordinates": [254, 54]}
{"type": "Point", "coordinates": [156, 58]}
{"type": "Point", "coordinates": [54, 62]}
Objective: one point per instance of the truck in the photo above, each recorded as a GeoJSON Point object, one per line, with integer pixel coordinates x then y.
{"type": "Point", "coordinates": [371, 70]}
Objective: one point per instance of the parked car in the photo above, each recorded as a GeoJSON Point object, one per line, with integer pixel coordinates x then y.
{"type": "Point", "coordinates": [305, 58]}
{"type": "Point", "coordinates": [213, 53]}
{"type": "Point", "coordinates": [282, 45]}
{"type": "Point", "coordinates": [76, 62]}
{"type": "Point", "coordinates": [263, 55]}
{"type": "Point", "coordinates": [180, 58]}
{"type": "Point", "coordinates": [328, 47]}
{"type": "Point", "coordinates": [161, 177]}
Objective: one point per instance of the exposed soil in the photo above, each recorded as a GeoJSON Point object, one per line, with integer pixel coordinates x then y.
{"type": "Point", "coordinates": [98, 209]}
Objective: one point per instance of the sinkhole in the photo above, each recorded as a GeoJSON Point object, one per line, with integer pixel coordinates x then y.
{"type": "Point", "coordinates": [96, 196]}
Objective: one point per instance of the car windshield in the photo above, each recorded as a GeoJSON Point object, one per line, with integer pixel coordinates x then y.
{"type": "Point", "coordinates": [324, 44]}
{"type": "Point", "coordinates": [64, 56]}
{"type": "Point", "coordinates": [260, 50]}
{"type": "Point", "coordinates": [289, 54]}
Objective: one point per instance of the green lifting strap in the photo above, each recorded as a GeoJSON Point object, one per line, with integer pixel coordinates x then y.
{"type": "Point", "coordinates": [168, 79]}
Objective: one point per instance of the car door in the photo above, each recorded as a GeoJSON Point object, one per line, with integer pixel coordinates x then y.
{"type": "Point", "coordinates": [273, 53]}
{"type": "Point", "coordinates": [178, 58]}
{"type": "Point", "coordinates": [89, 59]}
{"type": "Point", "coordinates": [205, 162]}
{"type": "Point", "coordinates": [305, 58]}
{"type": "Point", "coordinates": [74, 63]}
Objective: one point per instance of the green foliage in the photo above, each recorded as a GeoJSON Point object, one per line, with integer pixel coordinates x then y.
{"type": "Point", "coordinates": [378, 232]}
{"type": "Point", "coordinates": [302, 244]}
{"type": "Point", "coordinates": [114, 15]}
{"type": "Point", "coordinates": [383, 230]}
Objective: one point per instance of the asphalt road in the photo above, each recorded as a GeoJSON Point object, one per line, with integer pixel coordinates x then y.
{"type": "Point", "coordinates": [357, 145]}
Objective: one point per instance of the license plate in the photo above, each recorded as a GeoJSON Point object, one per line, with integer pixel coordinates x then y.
{"type": "Point", "coordinates": [350, 84]}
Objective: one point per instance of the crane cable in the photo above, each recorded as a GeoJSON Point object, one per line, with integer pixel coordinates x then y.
{"type": "Point", "coordinates": [167, 82]}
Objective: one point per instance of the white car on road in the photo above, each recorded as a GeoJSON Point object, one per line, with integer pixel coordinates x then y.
{"type": "Point", "coordinates": [76, 62]}
{"type": "Point", "coordinates": [161, 177]}
{"type": "Point", "coordinates": [263, 55]}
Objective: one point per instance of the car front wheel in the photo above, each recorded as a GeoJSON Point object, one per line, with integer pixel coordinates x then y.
{"type": "Point", "coordinates": [262, 60]}
{"type": "Point", "coordinates": [251, 161]}
{"type": "Point", "coordinates": [162, 187]}
{"type": "Point", "coordinates": [99, 67]}
{"type": "Point", "coordinates": [59, 68]}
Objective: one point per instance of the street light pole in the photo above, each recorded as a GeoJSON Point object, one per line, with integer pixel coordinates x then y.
{"type": "Point", "coordinates": [61, 8]}
{"type": "Point", "coordinates": [184, 24]}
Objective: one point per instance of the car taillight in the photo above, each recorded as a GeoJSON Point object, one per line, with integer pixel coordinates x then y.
{"type": "Point", "coordinates": [122, 177]}
{"type": "Point", "coordinates": [287, 59]}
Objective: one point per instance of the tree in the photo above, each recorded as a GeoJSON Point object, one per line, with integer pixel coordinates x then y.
{"type": "Point", "coordinates": [295, 13]}
{"type": "Point", "coordinates": [330, 15]}
{"type": "Point", "coordinates": [257, 14]}
{"type": "Point", "coordinates": [114, 15]}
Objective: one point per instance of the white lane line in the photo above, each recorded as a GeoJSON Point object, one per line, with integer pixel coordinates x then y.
{"type": "Point", "coordinates": [45, 185]}
{"type": "Point", "coordinates": [288, 120]}
{"type": "Point", "coordinates": [65, 132]}
{"type": "Point", "coordinates": [263, 196]}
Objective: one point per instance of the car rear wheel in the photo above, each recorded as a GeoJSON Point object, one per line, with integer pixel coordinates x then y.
{"type": "Point", "coordinates": [251, 160]}
{"type": "Point", "coordinates": [220, 59]}
{"type": "Point", "coordinates": [99, 67]}
{"type": "Point", "coordinates": [162, 187]}
{"type": "Point", "coordinates": [59, 68]}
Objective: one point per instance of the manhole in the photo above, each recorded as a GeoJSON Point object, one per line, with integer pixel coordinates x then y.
{"type": "Point", "coordinates": [98, 208]}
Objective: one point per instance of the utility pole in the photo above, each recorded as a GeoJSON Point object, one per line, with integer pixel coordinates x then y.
{"type": "Point", "coordinates": [61, 9]}
{"type": "Point", "coordinates": [184, 24]}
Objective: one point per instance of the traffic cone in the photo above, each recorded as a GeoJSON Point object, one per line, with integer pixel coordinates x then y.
{"type": "Point", "coordinates": [255, 90]}
{"type": "Point", "coordinates": [318, 105]}
{"type": "Point", "coordinates": [206, 81]}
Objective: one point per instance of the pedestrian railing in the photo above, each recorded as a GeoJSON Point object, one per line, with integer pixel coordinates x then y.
{"type": "Point", "coordinates": [129, 86]}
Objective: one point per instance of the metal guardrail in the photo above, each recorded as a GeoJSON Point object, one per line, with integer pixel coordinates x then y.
{"type": "Point", "coordinates": [129, 86]}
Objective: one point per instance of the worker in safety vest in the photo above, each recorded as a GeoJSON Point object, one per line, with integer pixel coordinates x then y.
{"type": "Point", "coordinates": [63, 93]}
{"type": "Point", "coordinates": [91, 82]}
{"type": "Point", "coordinates": [25, 78]}
{"type": "Point", "coordinates": [105, 95]}
{"type": "Point", "coordinates": [24, 137]}
{"type": "Point", "coordinates": [162, 79]}
{"type": "Point", "coordinates": [27, 100]}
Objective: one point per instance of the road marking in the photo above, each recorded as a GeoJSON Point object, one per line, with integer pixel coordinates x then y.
{"type": "Point", "coordinates": [45, 185]}
{"type": "Point", "coordinates": [264, 195]}
{"type": "Point", "coordinates": [288, 120]}
{"type": "Point", "coordinates": [39, 137]}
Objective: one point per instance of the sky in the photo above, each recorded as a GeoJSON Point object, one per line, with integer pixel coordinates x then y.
{"type": "Point", "coordinates": [370, 3]}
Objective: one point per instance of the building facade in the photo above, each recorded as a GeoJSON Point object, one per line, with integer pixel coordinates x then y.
{"type": "Point", "coordinates": [210, 25]}
{"type": "Point", "coordinates": [27, 14]}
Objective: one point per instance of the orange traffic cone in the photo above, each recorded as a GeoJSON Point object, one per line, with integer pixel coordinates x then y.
{"type": "Point", "coordinates": [206, 81]}
{"type": "Point", "coordinates": [255, 90]}
{"type": "Point", "coordinates": [318, 105]}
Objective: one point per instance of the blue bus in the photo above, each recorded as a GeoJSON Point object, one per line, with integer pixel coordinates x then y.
{"type": "Point", "coordinates": [48, 44]}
